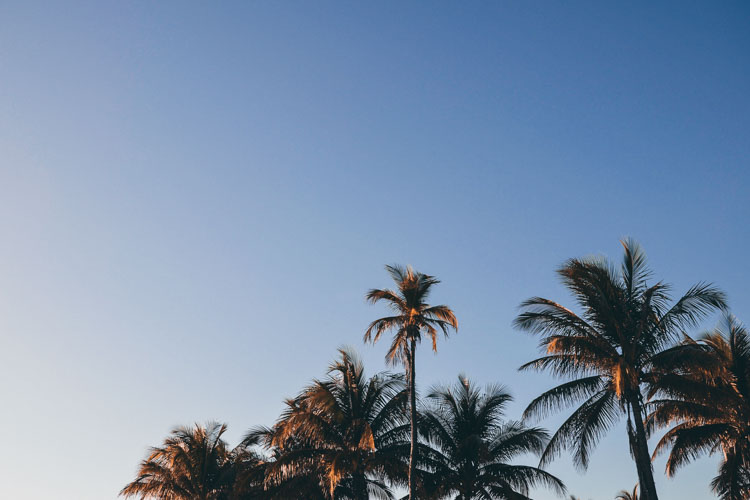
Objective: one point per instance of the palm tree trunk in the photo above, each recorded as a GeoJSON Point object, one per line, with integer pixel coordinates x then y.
{"type": "Point", "coordinates": [639, 445]}
{"type": "Point", "coordinates": [412, 421]}
{"type": "Point", "coordinates": [360, 487]}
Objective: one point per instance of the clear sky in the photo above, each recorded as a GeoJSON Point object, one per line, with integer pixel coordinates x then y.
{"type": "Point", "coordinates": [194, 198]}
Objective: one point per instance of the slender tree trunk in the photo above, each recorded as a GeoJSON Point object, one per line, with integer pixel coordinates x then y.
{"type": "Point", "coordinates": [639, 446]}
{"type": "Point", "coordinates": [360, 487]}
{"type": "Point", "coordinates": [412, 421]}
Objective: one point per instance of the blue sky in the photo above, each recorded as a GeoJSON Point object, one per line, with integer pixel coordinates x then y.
{"type": "Point", "coordinates": [195, 197]}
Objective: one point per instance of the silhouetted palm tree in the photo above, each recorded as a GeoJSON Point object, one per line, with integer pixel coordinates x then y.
{"type": "Point", "coordinates": [704, 388]}
{"type": "Point", "coordinates": [412, 318]}
{"type": "Point", "coordinates": [473, 446]}
{"type": "Point", "coordinates": [347, 432]}
{"type": "Point", "coordinates": [194, 463]}
{"type": "Point", "coordinates": [624, 323]}
{"type": "Point", "coordinates": [628, 495]}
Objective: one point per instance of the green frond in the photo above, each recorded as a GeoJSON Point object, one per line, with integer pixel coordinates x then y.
{"type": "Point", "coordinates": [473, 446]}
{"type": "Point", "coordinates": [691, 308]}
{"type": "Point", "coordinates": [582, 430]}
{"type": "Point", "coordinates": [563, 395]}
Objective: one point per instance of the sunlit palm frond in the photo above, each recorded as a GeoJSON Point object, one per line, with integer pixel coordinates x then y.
{"type": "Point", "coordinates": [338, 433]}
{"type": "Point", "coordinates": [193, 462]}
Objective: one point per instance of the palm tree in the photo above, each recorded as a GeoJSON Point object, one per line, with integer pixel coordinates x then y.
{"type": "Point", "coordinates": [194, 463]}
{"type": "Point", "coordinates": [609, 348]}
{"type": "Point", "coordinates": [347, 433]}
{"type": "Point", "coordinates": [704, 390]}
{"type": "Point", "coordinates": [473, 446]}
{"type": "Point", "coordinates": [412, 318]}
{"type": "Point", "coordinates": [628, 495]}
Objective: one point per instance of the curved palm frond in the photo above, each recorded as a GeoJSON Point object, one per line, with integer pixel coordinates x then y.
{"type": "Point", "coordinates": [628, 495]}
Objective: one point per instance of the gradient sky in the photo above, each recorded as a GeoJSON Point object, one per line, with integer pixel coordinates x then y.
{"type": "Point", "coordinates": [194, 198]}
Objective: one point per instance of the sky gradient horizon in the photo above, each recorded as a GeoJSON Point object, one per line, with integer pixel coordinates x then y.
{"type": "Point", "coordinates": [195, 198]}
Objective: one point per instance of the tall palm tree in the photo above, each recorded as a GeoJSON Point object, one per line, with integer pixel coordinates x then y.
{"type": "Point", "coordinates": [347, 431]}
{"type": "Point", "coordinates": [704, 391]}
{"type": "Point", "coordinates": [628, 495]}
{"type": "Point", "coordinates": [609, 349]}
{"type": "Point", "coordinates": [473, 445]}
{"type": "Point", "coordinates": [412, 317]}
{"type": "Point", "coordinates": [194, 463]}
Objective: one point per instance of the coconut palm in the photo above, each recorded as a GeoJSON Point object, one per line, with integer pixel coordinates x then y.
{"type": "Point", "coordinates": [628, 495]}
{"type": "Point", "coordinates": [474, 446]}
{"type": "Point", "coordinates": [347, 433]}
{"type": "Point", "coordinates": [608, 348]}
{"type": "Point", "coordinates": [703, 389]}
{"type": "Point", "coordinates": [412, 317]}
{"type": "Point", "coordinates": [194, 463]}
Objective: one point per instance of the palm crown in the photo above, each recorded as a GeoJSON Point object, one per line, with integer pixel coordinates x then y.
{"type": "Point", "coordinates": [703, 389]}
{"type": "Point", "coordinates": [473, 446]}
{"type": "Point", "coordinates": [194, 463]}
{"type": "Point", "coordinates": [413, 316]}
{"type": "Point", "coordinates": [346, 430]}
{"type": "Point", "coordinates": [609, 348]}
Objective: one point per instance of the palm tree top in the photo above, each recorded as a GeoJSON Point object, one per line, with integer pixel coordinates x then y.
{"type": "Point", "coordinates": [623, 318]}
{"type": "Point", "coordinates": [466, 401]}
{"type": "Point", "coordinates": [703, 389]}
{"type": "Point", "coordinates": [412, 316]}
{"type": "Point", "coordinates": [193, 462]}
{"type": "Point", "coordinates": [473, 445]}
{"type": "Point", "coordinates": [342, 433]}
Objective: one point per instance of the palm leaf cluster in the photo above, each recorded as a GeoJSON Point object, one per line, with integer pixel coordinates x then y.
{"type": "Point", "coordinates": [194, 463]}
{"type": "Point", "coordinates": [472, 446]}
{"type": "Point", "coordinates": [702, 390]}
{"type": "Point", "coordinates": [345, 431]}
